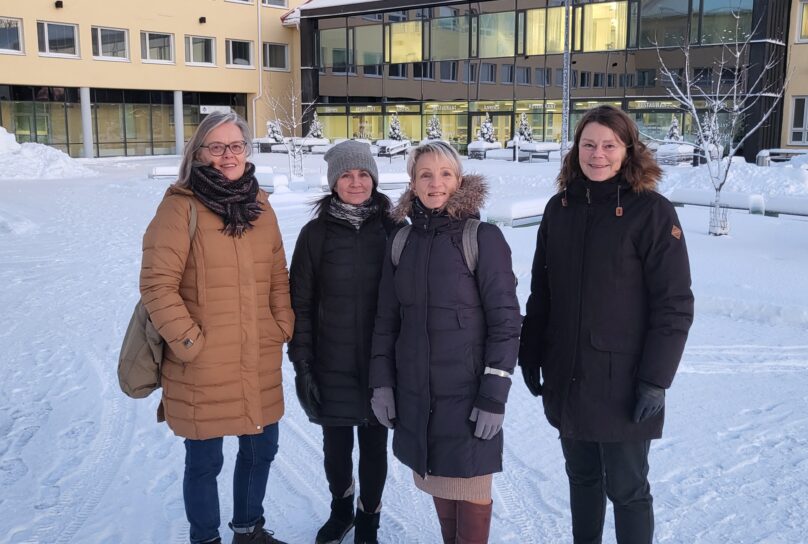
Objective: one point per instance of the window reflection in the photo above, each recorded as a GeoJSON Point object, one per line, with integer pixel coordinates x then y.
{"type": "Point", "coordinates": [406, 42]}
{"type": "Point", "coordinates": [605, 26]}
{"type": "Point", "coordinates": [497, 34]}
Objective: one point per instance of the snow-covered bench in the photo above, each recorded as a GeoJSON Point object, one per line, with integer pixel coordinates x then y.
{"type": "Point", "coordinates": [766, 156]}
{"type": "Point", "coordinates": [786, 205]}
{"type": "Point", "coordinates": [479, 149]}
{"type": "Point", "coordinates": [392, 148]}
{"type": "Point", "coordinates": [519, 213]}
{"type": "Point", "coordinates": [262, 173]}
{"type": "Point", "coordinates": [752, 203]}
{"type": "Point", "coordinates": [675, 152]}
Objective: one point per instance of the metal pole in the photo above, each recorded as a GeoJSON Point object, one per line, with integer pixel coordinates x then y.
{"type": "Point", "coordinates": [179, 123]}
{"type": "Point", "coordinates": [565, 98]}
{"type": "Point", "coordinates": [86, 122]}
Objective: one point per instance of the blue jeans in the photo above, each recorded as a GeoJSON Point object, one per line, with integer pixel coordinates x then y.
{"type": "Point", "coordinates": [203, 463]}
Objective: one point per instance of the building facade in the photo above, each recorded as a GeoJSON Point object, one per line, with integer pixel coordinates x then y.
{"type": "Point", "coordinates": [96, 78]}
{"type": "Point", "coordinates": [462, 61]}
{"type": "Point", "coordinates": [795, 107]}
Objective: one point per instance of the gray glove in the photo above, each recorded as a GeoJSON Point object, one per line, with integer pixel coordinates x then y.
{"type": "Point", "coordinates": [383, 404]}
{"type": "Point", "coordinates": [488, 424]}
{"type": "Point", "coordinates": [650, 401]}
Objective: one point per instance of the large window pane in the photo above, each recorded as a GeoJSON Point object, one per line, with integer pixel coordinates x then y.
{"type": "Point", "coordinates": [450, 38]}
{"type": "Point", "coordinates": [56, 39]}
{"type": "Point", "coordinates": [109, 129]}
{"type": "Point", "coordinates": [663, 23]}
{"type": "Point", "coordinates": [199, 50]}
{"type": "Point", "coordinates": [10, 35]}
{"type": "Point", "coordinates": [804, 21]}
{"type": "Point", "coordinates": [239, 53]}
{"type": "Point", "coordinates": [555, 30]}
{"type": "Point", "coordinates": [406, 42]}
{"type": "Point", "coordinates": [720, 17]}
{"type": "Point", "coordinates": [535, 31]}
{"type": "Point", "coordinates": [109, 43]}
{"type": "Point", "coordinates": [156, 47]}
{"type": "Point", "coordinates": [162, 118]}
{"type": "Point", "coordinates": [276, 56]}
{"type": "Point", "coordinates": [334, 49]}
{"type": "Point", "coordinates": [605, 26]}
{"type": "Point", "coordinates": [497, 34]}
{"type": "Point", "coordinates": [368, 46]}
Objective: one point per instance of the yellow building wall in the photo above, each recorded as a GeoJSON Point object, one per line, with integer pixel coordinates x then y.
{"type": "Point", "coordinates": [797, 72]}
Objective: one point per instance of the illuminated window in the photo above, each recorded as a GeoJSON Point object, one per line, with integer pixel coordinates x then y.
{"type": "Point", "coordinates": [450, 38]}
{"type": "Point", "coordinates": [405, 42]}
{"type": "Point", "coordinates": [334, 49]}
{"type": "Point", "coordinates": [535, 31]}
{"type": "Point", "coordinates": [804, 20]}
{"type": "Point", "coordinates": [555, 30]}
{"type": "Point", "coordinates": [497, 34]}
{"type": "Point", "coordinates": [605, 26]}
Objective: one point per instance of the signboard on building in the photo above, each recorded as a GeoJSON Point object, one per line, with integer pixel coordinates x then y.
{"type": "Point", "coordinates": [206, 110]}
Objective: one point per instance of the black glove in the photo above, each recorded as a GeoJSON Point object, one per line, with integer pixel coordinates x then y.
{"type": "Point", "coordinates": [650, 401]}
{"type": "Point", "coordinates": [532, 377]}
{"type": "Point", "coordinates": [306, 388]}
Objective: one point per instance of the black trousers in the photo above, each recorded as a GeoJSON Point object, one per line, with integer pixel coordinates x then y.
{"type": "Point", "coordinates": [619, 471]}
{"type": "Point", "coordinates": [337, 456]}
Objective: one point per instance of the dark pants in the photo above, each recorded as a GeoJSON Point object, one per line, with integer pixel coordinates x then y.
{"type": "Point", "coordinates": [619, 471]}
{"type": "Point", "coordinates": [203, 463]}
{"type": "Point", "coordinates": [337, 456]}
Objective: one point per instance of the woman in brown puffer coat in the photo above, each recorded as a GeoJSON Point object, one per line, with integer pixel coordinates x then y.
{"type": "Point", "coordinates": [220, 299]}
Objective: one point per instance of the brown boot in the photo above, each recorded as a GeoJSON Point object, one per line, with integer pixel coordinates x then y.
{"type": "Point", "coordinates": [447, 515]}
{"type": "Point", "coordinates": [473, 522]}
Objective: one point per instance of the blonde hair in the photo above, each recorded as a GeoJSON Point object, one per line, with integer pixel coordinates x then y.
{"type": "Point", "coordinates": [438, 147]}
{"type": "Point", "coordinates": [208, 124]}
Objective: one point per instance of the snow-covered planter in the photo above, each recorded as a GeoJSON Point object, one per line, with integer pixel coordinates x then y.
{"type": "Point", "coordinates": [478, 148]}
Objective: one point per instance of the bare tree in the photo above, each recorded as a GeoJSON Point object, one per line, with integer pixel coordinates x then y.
{"type": "Point", "coordinates": [289, 114]}
{"type": "Point", "coordinates": [719, 101]}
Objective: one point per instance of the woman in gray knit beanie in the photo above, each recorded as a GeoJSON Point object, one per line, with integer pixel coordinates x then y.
{"type": "Point", "coordinates": [334, 278]}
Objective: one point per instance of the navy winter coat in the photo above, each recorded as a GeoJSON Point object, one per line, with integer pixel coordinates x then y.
{"type": "Point", "coordinates": [334, 283]}
{"type": "Point", "coordinates": [438, 327]}
{"type": "Point", "coordinates": [610, 303]}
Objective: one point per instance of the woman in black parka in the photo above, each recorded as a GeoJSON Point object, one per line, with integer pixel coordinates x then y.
{"type": "Point", "coordinates": [445, 343]}
{"type": "Point", "coordinates": [334, 277]}
{"type": "Point", "coordinates": [609, 310]}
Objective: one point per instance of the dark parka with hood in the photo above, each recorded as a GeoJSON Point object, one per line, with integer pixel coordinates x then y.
{"type": "Point", "coordinates": [438, 327]}
{"type": "Point", "coordinates": [610, 304]}
{"type": "Point", "coordinates": [334, 277]}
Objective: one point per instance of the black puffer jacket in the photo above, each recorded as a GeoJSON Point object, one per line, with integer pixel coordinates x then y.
{"type": "Point", "coordinates": [438, 327]}
{"type": "Point", "coordinates": [610, 303]}
{"type": "Point", "coordinates": [334, 281]}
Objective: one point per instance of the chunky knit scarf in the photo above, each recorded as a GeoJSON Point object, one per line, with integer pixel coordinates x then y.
{"type": "Point", "coordinates": [234, 201]}
{"type": "Point", "coordinates": [355, 214]}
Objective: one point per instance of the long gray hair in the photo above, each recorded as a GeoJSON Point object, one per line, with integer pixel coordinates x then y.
{"type": "Point", "coordinates": [208, 124]}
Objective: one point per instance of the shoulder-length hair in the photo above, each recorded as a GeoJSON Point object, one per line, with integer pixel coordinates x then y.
{"type": "Point", "coordinates": [639, 167]}
{"type": "Point", "coordinates": [439, 147]}
{"type": "Point", "coordinates": [208, 124]}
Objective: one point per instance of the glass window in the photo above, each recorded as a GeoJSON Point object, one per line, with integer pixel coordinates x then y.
{"type": "Point", "coordinates": [803, 21]}
{"type": "Point", "coordinates": [799, 123]}
{"type": "Point", "coordinates": [544, 77]}
{"type": "Point", "coordinates": [157, 47]}
{"type": "Point", "coordinates": [555, 30]}
{"type": "Point", "coordinates": [469, 72]}
{"type": "Point", "coordinates": [450, 38]}
{"type": "Point", "coordinates": [405, 42]}
{"type": "Point", "coordinates": [275, 3]}
{"type": "Point", "coordinates": [646, 78]}
{"type": "Point", "coordinates": [397, 70]}
{"type": "Point", "coordinates": [276, 56]}
{"type": "Point", "coordinates": [605, 26]}
{"type": "Point", "coordinates": [423, 70]}
{"type": "Point", "coordinates": [535, 31]}
{"type": "Point", "coordinates": [334, 49]}
{"type": "Point", "coordinates": [523, 75]}
{"type": "Point", "coordinates": [199, 50]}
{"type": "Point", "coordinates": [109, 43]}
{"type": "Point", "coordinates": [506, 73]}
{"type": "Point", "coordinates": [238, 53]}
{"type": "Point", "coordinates": [598, 79]}
{"type": "Point", "coordinates": [10, 35]}
{"type": "Point", "coordinates": [368, 50]}
{"type": "Point", "coordinates": [664, 23]}
{"type": "Point", "coordinates": [488, 73]}
{"type": "Point", "coordinates": [497, 34]}
{"type": "Point", "coordinates": [718, 23]}
{"type": "Point", "coordinates": [448, 70]}
{"type": "Point", "coordinates": [57, 39]}
{"type": "Point", "coordinates": [586, 79]}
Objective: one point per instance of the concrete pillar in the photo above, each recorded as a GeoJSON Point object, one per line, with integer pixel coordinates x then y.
{"type": "Point", "coordinates": [179, 123]}
{"type": "Point", "coordinates": [86, 122]}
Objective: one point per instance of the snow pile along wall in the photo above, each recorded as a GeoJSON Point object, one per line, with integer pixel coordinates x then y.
{"type": "Point", "coordinates": [36, 161]}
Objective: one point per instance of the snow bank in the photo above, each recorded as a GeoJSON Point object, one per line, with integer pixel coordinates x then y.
{"type": "Point", "coordinates": [36, 161]}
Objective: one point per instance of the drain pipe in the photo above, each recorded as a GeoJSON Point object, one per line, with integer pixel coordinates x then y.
{"type": "Point", "coordinates": [259, 61]}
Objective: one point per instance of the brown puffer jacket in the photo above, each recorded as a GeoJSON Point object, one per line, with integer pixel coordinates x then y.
{"type": "Point", "coordinates": [222, 305]}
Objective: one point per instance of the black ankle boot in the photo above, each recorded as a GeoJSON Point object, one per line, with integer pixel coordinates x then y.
{"type": "Point", "coordinates": [339, 523]}
{"type": "Point", "coordinates": [367, 525]}
{"type": "Point", "coordinates": [258, 535]}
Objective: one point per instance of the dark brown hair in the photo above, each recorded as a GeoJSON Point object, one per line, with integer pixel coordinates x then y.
{"type": "Point", "coordinates": [639, 167]}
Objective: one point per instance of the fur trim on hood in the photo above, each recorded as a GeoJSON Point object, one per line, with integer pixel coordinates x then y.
{"type": "Point", "coordinates": [466, 201]}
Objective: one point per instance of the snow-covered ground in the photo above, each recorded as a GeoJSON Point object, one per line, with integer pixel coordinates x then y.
{"type": "Point", "coordinates": [80, 462]}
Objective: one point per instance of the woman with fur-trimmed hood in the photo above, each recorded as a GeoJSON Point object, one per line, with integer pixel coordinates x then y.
{"type": "Point", "coordinates": [606, 322]}
{"type": "Point", "coordinates": [445, 343]}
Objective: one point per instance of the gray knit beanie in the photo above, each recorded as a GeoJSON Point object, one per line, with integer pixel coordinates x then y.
{"type": "Point", "coordinates": [350, 155]}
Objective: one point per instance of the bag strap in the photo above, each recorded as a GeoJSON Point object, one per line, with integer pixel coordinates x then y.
{"type": "Point", "coordinates": [192, 221]}
{"type": "Point", "coordinates": [471, 249]}
{"type": "Point", "coordinates": [399, 241]}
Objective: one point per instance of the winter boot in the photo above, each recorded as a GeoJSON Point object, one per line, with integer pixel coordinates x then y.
{"type": "Point", "coordinates": [447, 515]}
{"type": "Point", "coordinates": [258, 535]}
{"type": "Point", "coordinates": [367, 525]}
{"type": "Point", "coordinates": [339, 522]}
{"type": "Point", "coordinates": [473, 522]}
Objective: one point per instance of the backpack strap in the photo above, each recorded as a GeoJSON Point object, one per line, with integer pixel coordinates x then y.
{"type": "Point", "coordinates": [471, 248]}
{"type": "Point", "coordinates": [399, 241]}
{"type": "Point", "coordinates": [192, 221]}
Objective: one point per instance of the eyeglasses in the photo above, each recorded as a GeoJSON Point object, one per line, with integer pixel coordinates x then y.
{"type": "Point", "coordinates": [217, 149]}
